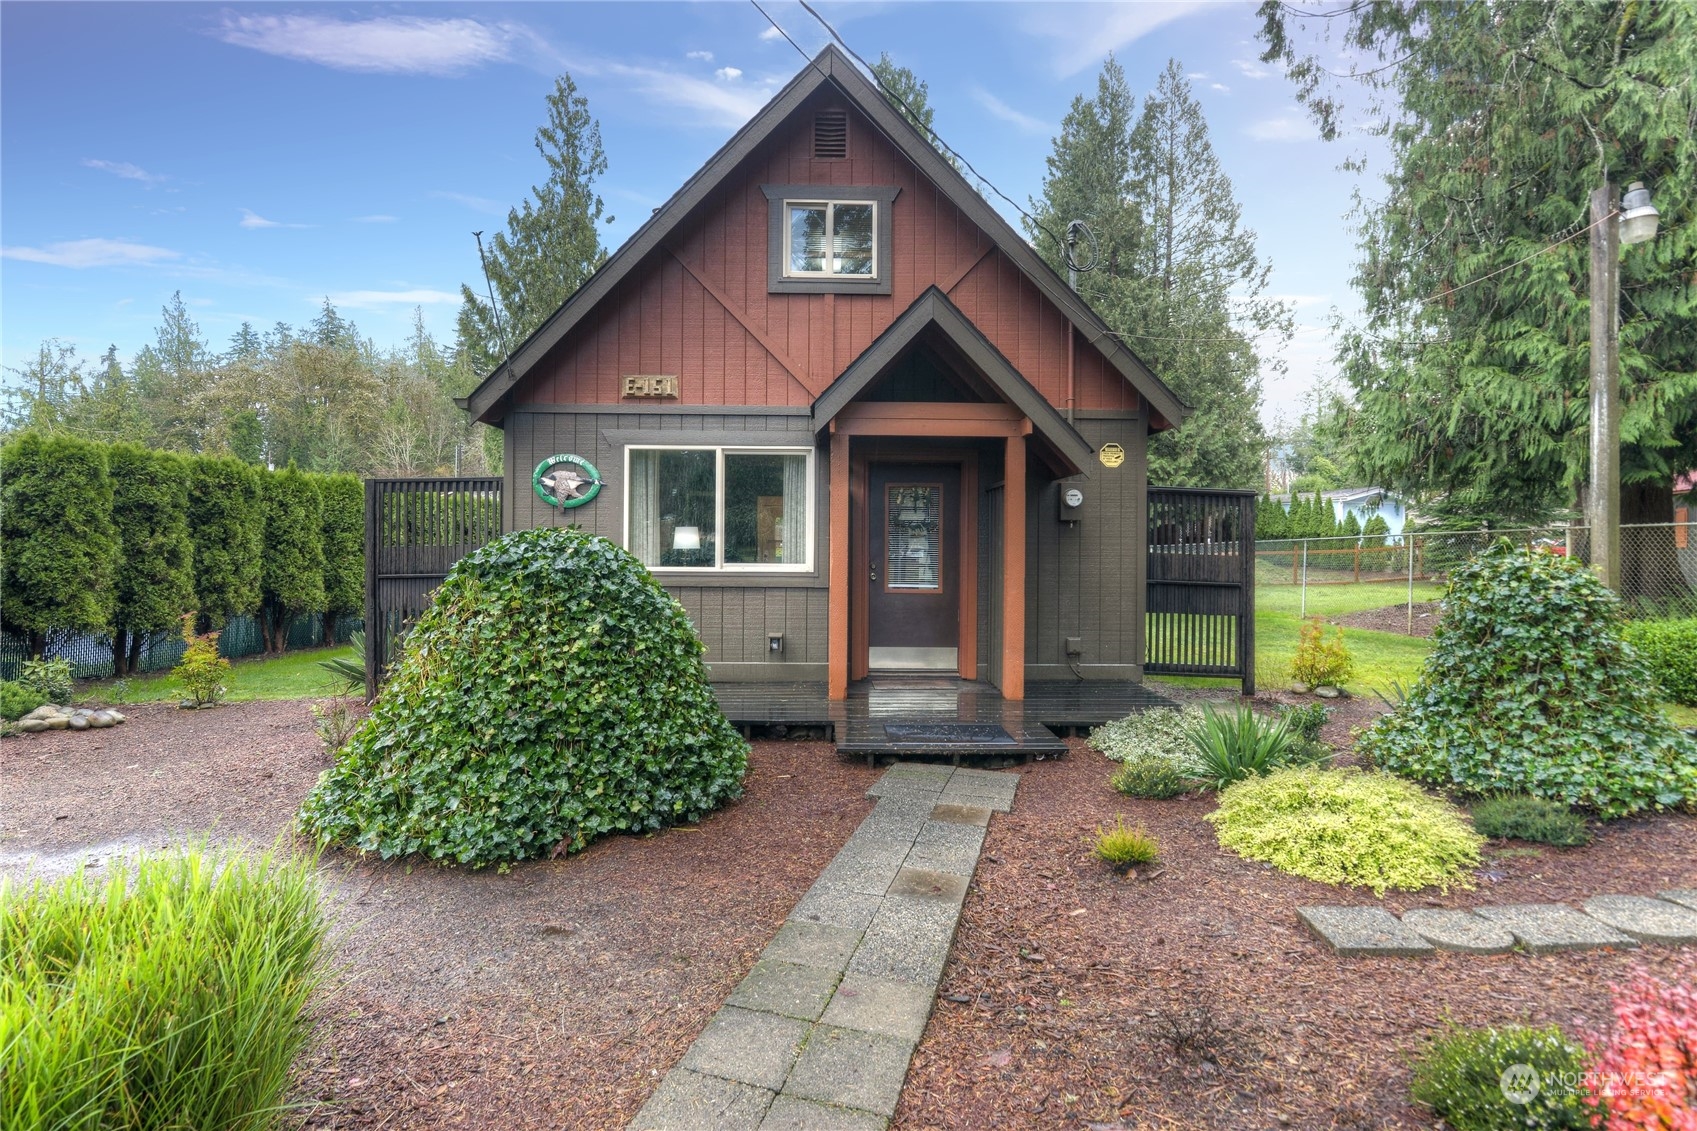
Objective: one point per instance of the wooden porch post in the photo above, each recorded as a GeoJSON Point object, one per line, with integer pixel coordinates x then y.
{"type": "Point", "coordinates": [838, 596]}
{"type": "Point", "coordinates": [1013, 569]}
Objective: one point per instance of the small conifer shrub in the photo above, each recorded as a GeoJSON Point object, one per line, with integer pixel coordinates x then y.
{"type": "Point", "coordinates": [1519, 817]}
{"type": "Point", "coordinates": [1477, 1080]}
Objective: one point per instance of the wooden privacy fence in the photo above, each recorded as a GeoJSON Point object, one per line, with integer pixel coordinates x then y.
{"type": "Point", "coordinates": [415, 530]}
{"type": "Point", "coordinates": [1201, 584]}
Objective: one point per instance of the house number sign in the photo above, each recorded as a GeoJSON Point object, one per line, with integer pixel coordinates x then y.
{"type": "Point", "coordinates": [651, 386]}
{"type": "Point", "coordinates": [566, 481]}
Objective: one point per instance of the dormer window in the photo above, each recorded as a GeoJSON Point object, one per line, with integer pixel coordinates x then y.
{"type": "Point", "coordinates": [829, 238]}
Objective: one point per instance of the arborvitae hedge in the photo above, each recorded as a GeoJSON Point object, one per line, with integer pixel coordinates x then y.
{"type": "Point", "coordinates": [155, 576]}
{"type": "Point", "coordinates": [292, 579]}
{"type": "Point", "coordinates": [227, 525]}
{"type": "Point", "coordinates": [343, 539]}
{"type": "Point", "coordinates": [61, 548]}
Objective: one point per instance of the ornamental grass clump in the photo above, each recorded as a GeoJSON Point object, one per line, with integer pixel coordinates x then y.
{"type": "Point", "coordinates": [170, 995]}
{"type": "Point", "coordinates": [1229, 746]}
{"type": "Point", "coordinates": [1478, 1080]}
{"type": "Point", "coordinates": [1530, 689]}
{"type": "Point", "coordinates": [551, 694]}
{"type": "Point", "coordinates": [1124, 846]}
{"type": "Point", "coordinates": [1348, 827]}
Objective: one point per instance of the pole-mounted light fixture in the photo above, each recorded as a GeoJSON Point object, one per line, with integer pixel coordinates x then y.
{"type": "Point", "coordinates": [1638, 217]}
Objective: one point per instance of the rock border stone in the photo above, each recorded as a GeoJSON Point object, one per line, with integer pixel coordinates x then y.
{"type": "Point", "coordinates": [820, 1033]}
{"type": "Point", "coordinates": [1621, 921]}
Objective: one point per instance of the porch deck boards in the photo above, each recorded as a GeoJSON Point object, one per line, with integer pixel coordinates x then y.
{"type": "Point", "coordinates": [908, 716]}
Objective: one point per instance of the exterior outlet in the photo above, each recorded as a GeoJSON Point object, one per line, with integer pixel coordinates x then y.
{"type": "Point", "coordinates": [1075, 645]}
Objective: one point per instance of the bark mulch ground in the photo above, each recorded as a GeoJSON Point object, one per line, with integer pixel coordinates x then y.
{"type": "Point", "coordinates": [1190, 996]}
{"type": "Point", "coordinates": [1395, 619]}
{"type": "Point", "coordinates": [556, 995]}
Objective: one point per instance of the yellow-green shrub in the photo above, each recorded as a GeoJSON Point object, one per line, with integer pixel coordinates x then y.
{"type": "Point", "coordinates": [1348, 827]}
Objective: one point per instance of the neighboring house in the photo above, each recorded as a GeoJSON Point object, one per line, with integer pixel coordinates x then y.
{"type": "Point", "coordinates": [834, 401]}
{"type": "Point", "coordinates": [1363, 503]}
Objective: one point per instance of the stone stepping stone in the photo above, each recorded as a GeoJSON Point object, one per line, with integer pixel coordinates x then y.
{"type": "Point", "coordinates": [852, 1069]}
{"type": "Point", "coordinates": [1685, 898]}
{"type": "Point", "coordinates": [1459, 930]}
{"type": "Point", "coordinates": [687, 1101]}
{"type": "Point", "coordinates": [1546, 928]}
{"type": "Point", "coordinates": [786, 989]}
{"type": "Point", "coordinates": [1363, 931]}
{"type": "Point", "coordinates": [788, 1113]}
{"type": "Point", "coordinates": [1645, 919]}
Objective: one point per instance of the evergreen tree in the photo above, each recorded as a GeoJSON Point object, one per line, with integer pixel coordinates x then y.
{"type": "Point", "coordinates": [911, 98]}
{"type": "Point", "coordinates": [60, 546]}
{"type": "Point", "coordinates": [292, 574]}
{"type": "Point", "coordinates": [46, 389]}
{"type": "Point", "coordinates": [1351, 525]}
{"type": "Point", "coordinates": [155, 568]}
{"type": "Point", "coordinates": [343, 540]}
{"type": "Point", "coordinates": [1176, 277]}
{"type": "Point", "coordinates": [1471, 370]}
{"type": "Point", "coordinates": [552, 242]}
{"type": "Point", "coordinates": [172, 378]}
{"type": "Point", "coordinates": [227, 526]}
{"type": "Point", "coordinates": [245, 344]}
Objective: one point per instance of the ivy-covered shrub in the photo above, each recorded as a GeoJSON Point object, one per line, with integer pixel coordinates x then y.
{"type": "Point", "coordinates": [1465, 1079]}
{"type": "Point", "coordinates": [1518, 817]}
{"type": "Point", "coordinates": [552, 693]}
{"type": "Point", "coordinates": [60, 545]}
{"type": "Point", "coordinates": [1669, 647]}
{"type": "Point", "coordinates": [155, 578]}
{"type": "Point", "coordinates": [1529, 688]}
{"type": "Point", "coordinates": [227, 525]}
{"type": "Point", "coordinates": [1348, 827]}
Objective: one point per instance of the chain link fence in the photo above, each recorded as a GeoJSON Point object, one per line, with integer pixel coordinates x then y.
{"type": "Point", "coordinates": [91, 655]}
{"type": "Point", "coordinates": [1658, 561]}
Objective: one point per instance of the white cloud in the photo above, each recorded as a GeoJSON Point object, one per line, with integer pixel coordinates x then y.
{"type": "Point", "coordinates": [699, 56]}
{"type": "Point", "coordinates": [475, 203]}
{"type": "Point", "coordinates": [1006, 113]}
{"type": "Point", "coordinates": [1084, 33]}
{"type": "Point", "coordinates": [125, 170]}
{"type": "Point", "coordinates": [1285, 127]}
{"type": "Point", "coordinates": [728, 74]}
{"type": "Point", "coordinates": [372, 300]}
{"type": "Point", "coordinates": [376, 219]}
{"type": "Point", "coordinates": [385, 45]}
{"type": "Point", "coordinates": [769, 33]}
{"type": "Point", "coordinates": [93, 253]}
{"type": "Point", "coordinates": [1220, 86]}
{"type": "Point", "coordinates": [252, 219]}
{"type": "Point", "coordinates": [1196, 76]}
{"type": "Point", "coordinates": [1251, 69]}
{"type": "Point", "coordinates": [718, 103]}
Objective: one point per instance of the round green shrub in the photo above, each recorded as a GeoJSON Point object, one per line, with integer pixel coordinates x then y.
{"type": "Point", "coordinates": [553, 692]}
{"type": "Point", "coordinates": [1669, 647]}
{"type": "Point", "coordinates": [1462, 1079]}
{"type": "Point", "coordinates": [1155, 779]}
{"type": "Point", "coordinates": [1518, 817]}
{"type": "Point", "coordinates": [1530, 689]}
{"type": "Point", "coordinates": [1155, 733]}
{"type": "Point", "coordinates": [1348, 827]}
{"type": "Point", "coordinates": [16, 700]}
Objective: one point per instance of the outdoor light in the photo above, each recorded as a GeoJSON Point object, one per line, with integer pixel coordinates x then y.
{"type": "Point", "coordinates": [686, 538]}
{"type": "Point", "coordinates": [1638, 217]}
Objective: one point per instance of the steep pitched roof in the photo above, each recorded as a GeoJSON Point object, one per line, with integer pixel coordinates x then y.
{"type": "Point", "coordinates": [832, 67]}
{"type": "Point", "coordinates": [933, 309]}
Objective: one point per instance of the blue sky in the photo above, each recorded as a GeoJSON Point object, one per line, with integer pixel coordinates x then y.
{"type": "Point", "coordinates": [260, 157]}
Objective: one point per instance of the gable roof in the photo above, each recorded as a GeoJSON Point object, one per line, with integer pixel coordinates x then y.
{"type": "Point", "coordinates": [832, 67]}
{"type": "Point", "coordinates": [933, 309]}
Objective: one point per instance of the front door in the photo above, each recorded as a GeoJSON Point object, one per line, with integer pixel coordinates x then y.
{"type": "Point", "coordinates": [913, 550]}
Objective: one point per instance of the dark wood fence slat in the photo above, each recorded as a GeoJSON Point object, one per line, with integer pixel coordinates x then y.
{"type": "Point", "coordinates": [1201, 583]}
{"type": "Point", "coordinates": [415, 530]}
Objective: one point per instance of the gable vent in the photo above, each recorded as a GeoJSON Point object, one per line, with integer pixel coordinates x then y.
{"type": "Point", "coordinates": [830, 135]}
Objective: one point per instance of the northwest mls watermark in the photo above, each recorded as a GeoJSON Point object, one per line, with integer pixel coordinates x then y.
{"type": "Point", "coordinates": [1521, 1083]}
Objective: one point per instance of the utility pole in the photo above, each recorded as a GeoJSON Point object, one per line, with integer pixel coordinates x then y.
{"type": "Point", "coordinates": [1602, 497]}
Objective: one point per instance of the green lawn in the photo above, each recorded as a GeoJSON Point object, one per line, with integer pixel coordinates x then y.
{"type": "Point", "coordinates": [1340, 600]}
{"type": "Point", "coordinates": [294, 675]}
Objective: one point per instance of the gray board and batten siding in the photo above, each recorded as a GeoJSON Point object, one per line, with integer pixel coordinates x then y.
{"type": "Point", "coordinates": [733, 612]}
{"type": "Point", "coordinates": [1085, 579]}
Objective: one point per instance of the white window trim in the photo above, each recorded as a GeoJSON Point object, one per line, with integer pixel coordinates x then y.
{"type": "Point", "coordinates": [830, 207]}
{"type": "Point", "coordinates": [721, 566]}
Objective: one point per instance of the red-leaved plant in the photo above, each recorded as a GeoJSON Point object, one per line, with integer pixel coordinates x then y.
{"type": "Point", "coordinates": [1645, 1076]}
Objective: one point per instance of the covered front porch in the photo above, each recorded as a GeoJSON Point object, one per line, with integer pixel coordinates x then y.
{"type": "Point", "coordinates": [936, 716]}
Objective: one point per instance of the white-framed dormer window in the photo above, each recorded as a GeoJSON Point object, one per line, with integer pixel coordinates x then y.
{"type": "Point", "coordinates": [825, 239]}
{"type": "Point", "coordinates": [829, 239]}
{"type": "Point", "coordinates": [719, 508]}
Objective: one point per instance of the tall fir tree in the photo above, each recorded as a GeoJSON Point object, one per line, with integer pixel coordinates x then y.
{"type": "Point", "coordinates": [56, 525]}
{"type": "Point", "coordinates": [1175, 276]}
{"type": "Point", "coordinates": [552, 241]}
{"type": "Point", "coordinates": [910, 96]}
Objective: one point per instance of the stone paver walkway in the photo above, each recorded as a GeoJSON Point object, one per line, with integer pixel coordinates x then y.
{"type": "Point", "coordinates": [1539, 928]}
{"type": "Point", "coordinates": [818, 1036]}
